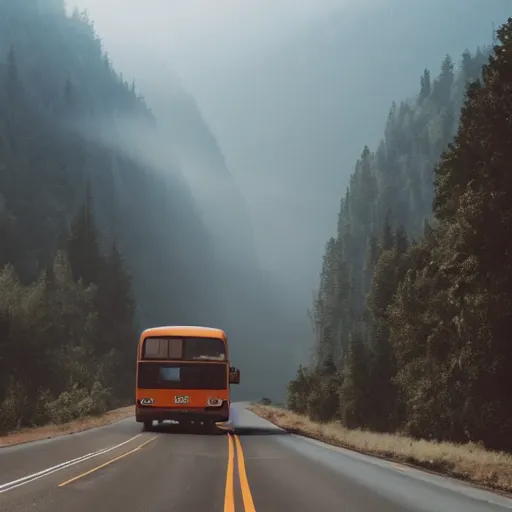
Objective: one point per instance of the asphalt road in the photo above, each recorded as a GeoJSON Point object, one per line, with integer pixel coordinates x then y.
{"type": "Point", "coordinates": [260, 468]}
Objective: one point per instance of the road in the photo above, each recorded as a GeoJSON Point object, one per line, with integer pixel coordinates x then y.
{"type": "Point", "coordinates": [260, 468]}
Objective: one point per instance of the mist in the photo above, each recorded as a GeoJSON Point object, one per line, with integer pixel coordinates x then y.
{"type": "Point", "coordinates": [287, 94]}
{"type": "Point", "coordinates": [291, 90]}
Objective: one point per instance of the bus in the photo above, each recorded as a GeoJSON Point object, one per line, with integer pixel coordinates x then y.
{"type": "Point", "coordinates": [183, 374]}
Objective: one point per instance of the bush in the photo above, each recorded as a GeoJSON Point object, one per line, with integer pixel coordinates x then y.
{"type": "Point", "coordinates": [14, 407]}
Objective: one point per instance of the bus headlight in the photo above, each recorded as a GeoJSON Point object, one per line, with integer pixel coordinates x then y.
{"type": "Point", "coordinates": [214, 402]}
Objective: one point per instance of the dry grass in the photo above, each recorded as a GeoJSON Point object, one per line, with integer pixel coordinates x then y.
{"type": "Point", "coordinates": [48, 431]}
{"type": "Point", "coordinates": [467, 462]}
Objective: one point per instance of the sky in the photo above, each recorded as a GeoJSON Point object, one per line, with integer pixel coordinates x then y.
{"type": "Point", "coordinates": [193, 36]}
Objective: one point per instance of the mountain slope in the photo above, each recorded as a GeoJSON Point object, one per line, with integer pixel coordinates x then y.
{"type": "Point", "coordinates": [412, 336]}
{"type": "Point", "coordinates": [69, 90]}
{"type": "Point", "coordinates": [197, 152]}
{"type": "Point", "coordinates": [69, 124]}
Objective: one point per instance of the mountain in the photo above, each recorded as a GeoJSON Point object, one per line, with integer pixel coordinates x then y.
{"type": "Point", "coordinates": [196, 150]}
{"type": "Point", "coordinates": [82, 206]}
{"type": "Point", "coordinates": [72, 95]}
{"type": "Point", "coordinates": [92, 178]}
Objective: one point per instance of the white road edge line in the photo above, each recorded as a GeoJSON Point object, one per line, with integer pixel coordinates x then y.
{"type": "Point", "coordinates": [63, 465]}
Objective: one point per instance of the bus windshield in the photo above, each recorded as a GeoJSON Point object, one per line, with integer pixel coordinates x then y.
{"type": "Point", "coordinates": [184, 348]}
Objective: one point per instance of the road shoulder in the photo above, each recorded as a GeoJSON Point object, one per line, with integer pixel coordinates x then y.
{"type": "Point", "coordinates": [50, 431]}
{"type": "Point", "coordinates": [482, 468]}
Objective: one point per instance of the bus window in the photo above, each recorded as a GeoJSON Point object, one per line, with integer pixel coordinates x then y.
{"type": "Point", "coordinates": [204, 349]}
{"type": "Point", "coordinates": [163, 348]}
{"type": "Point", "coordinates": [175, 348]}
{"type": "Point", "coordinates": [155, 348]}
{"type": "Point", "coordinates": [187, 349]}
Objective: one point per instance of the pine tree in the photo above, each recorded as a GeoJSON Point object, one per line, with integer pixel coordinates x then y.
{"type": "Point", "coordinates": [328, 307]}
{"type": "Point", "coordinates": [354, 396]}
{"type": "Point", "coordinates": [299, 390]}
{"type": "Point", "coordinates": [424, 86]}
{"type": "Point", "coordinates": [116, 308]}
{"type": "Point", "coordinates": [83, 246]}
{"type": "Point", "coordinates": [443, 85]}
{"type": "Point", "coordinates": [474, 203]}
{"type": "Point", "coordinates": [387, 240]}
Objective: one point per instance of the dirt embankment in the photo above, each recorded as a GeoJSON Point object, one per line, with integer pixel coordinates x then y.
{"type": "Point", "coordinates": [48, 431]}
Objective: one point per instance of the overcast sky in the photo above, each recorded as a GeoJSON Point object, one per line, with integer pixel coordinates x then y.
{"type": "Point", "coordinates": [189, 33]}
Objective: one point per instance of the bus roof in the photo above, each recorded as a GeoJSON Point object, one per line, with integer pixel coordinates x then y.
{"type": "Point", "coordinates": [184, 330]}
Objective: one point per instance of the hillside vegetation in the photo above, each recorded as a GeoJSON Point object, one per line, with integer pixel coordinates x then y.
{"type": "Point", "coordinates": [412, 316]}
{"type": "Point", "coordinates": [98, 236]}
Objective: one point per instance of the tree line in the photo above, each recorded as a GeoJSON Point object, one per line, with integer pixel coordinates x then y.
{"type": "Point", "coordinates": [68, 316]}
{"type": "Point", "coordinates": [412, 315]}
{"type": "Point", "coordinates": [67, 340]}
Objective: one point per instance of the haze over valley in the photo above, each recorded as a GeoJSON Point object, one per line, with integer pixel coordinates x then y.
{"type": "Point", "coordinates": [213, 146]}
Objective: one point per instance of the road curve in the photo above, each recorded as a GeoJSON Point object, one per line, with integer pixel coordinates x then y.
{"type": "Point", "coordinates": [260, 468]}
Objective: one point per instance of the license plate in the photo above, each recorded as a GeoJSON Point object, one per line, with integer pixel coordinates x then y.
{"type": "Point", "coordinates": [181, 400]}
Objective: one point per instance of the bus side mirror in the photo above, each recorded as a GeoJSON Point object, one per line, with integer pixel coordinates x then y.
{"type": "Point", "coordinates": [234, 375]}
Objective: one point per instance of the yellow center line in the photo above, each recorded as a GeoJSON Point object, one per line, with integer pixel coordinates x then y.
{"type": "Point", "coordinates": [244, 482]}
{"type": "Point", "coordinates": [106, 463]}
{"type": "Point", "coordinates": [229, 496]}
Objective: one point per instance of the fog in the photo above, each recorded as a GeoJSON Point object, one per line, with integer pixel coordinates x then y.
{"type": "Point", "coordinates": [168, 45]}
{"type": "Point", "coordinates": [291, 92]}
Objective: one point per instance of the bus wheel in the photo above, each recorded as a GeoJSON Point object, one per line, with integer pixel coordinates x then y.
{"type": "Point", "coordinates": [148, 425]}
{"type": "Point", "coordinates": [212, 429]}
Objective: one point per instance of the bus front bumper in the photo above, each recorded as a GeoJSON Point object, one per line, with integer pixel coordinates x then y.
{"type": "Point", "coordinates": [182, 414]}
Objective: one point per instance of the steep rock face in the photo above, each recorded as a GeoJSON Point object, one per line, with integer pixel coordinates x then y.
{"type": "Point", "coordinates": [198, 154]}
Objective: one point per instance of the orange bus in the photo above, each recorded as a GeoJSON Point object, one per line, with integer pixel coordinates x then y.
{"type": "Point", "coordinates": [183, 374]}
